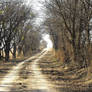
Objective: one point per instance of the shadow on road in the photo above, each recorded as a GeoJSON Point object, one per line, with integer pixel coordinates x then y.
{"type": "Point", "coordinates": [34, 90]}
{"type": "Point", "coordinates": [38, 90]}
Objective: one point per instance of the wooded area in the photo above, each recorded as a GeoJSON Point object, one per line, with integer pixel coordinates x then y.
{"type": "Point", "coordinates": [70, 25]}
{"type": "Point", "coordinates": [16, 29]}
{"type": "Point", "coordinates": [48, 45]}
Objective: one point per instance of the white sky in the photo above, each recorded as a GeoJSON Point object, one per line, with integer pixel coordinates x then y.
{"type": "Point", "coordinates": [47, 38]}
{"type": "Point", "coordinates": [37, 6]}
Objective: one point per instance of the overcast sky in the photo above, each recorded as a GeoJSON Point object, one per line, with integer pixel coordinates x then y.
{"type": "Point", "coordinates": [37, 6]}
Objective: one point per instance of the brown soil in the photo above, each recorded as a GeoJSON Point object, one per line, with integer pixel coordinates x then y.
{"type": "Point", "coordinates": [70, 79]}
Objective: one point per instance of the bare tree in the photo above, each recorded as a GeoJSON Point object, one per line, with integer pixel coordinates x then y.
{"type": "Point", "coordinates": [14, 13]}
{"type": "Point", "coordinates": [70, 21]}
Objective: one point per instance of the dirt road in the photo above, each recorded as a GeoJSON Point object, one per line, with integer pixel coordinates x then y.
{"type": "Point", "coordinates": [27, 77]}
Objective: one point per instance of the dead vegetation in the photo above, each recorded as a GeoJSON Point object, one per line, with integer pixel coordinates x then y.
{"type": "Point", "coordinates": [69, 78]}
{"type": "Point", "coordinates": [5, 67]}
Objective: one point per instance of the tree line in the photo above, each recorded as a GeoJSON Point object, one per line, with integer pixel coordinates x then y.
{"type": "Point", "coordinates": [16, 28]}
{"type": "Point", "coordinates": [70, 24]}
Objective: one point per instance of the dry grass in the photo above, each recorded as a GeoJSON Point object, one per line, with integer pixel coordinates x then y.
{"type": "Point", "coordinates": [5, 67]}
{"type": "Point", "coordinates": [70, 78]}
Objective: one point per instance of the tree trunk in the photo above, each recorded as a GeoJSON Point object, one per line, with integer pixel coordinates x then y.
{"type": "Point", "coordinates": [0, 55]}
{"type": "Point", "coordinates": [56, 42]}
{"type": "Point", "coordinates": [19, 50]}
{"type": "Point", "coordinates": [7, 50]}
{"type": "Point", "coordinates": [14, 50]}
{"type": "Point", "coordinates": [0, 45]}
{"type": "Point", "coordinates": [7, 55]}
{"type": "Point", "coordinates": [24, 51]}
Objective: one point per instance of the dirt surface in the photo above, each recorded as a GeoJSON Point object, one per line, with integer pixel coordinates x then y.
{"type": "Point", "coordinates": [43, 73]}
{"type": "Point", "coordinates": [68, 79]}
{"type": "Point", "coordinates": [27, 77]}
{"type": "Point", "coordinates": [5, 67]}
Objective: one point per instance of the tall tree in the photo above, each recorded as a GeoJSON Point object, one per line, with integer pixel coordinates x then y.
{"type": "Point", "coordinates": [71, 21]}
{"type": "Point", "coordinates": [14, 13]}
